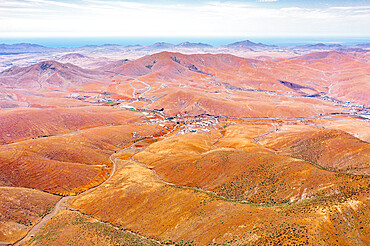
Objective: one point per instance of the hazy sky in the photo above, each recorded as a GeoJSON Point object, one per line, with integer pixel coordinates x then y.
{"type": "Point", "coordinates": [115, 18]}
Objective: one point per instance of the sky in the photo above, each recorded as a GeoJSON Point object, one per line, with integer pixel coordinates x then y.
{"type": "Point", "coordinates": [172, 18]}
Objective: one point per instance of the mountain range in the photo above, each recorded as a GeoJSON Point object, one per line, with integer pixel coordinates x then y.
{"type": "Point", "coordinates": [27, 47]}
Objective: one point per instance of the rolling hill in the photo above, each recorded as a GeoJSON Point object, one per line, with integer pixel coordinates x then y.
{"type": "Point", "coordinates": [48, 74]}
{"type": "Point", "coordinates": [186, 149]}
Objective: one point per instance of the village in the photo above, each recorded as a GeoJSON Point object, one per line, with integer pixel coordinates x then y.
{"type": "Point", "coordinates": [185, 124]}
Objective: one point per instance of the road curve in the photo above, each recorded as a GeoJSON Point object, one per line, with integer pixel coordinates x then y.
{"type": "Point", "coordinates": [61, 205]}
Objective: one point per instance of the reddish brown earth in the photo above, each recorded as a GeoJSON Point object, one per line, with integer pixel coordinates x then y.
{"type": "Point", "coordinates": [21, 208]}
{"type": "Point", "coordinates": [187, 149]}
{"type": "Point", "coordinates": [238, 168]}
{"type": "Point", "coordinates": [246, 105]}
{"type": "Point", "coordinates": [215, 80]}
{"type": "Point", "coordinates": [170, 212]}
{"type": "Point", "coordinates": [77, 229]}
{"type": "Point", "coordinates": [67, 163]}
{"type": "Point", "coordinates": [355, 126]}
{"type": "Point", "coordinates": [35, 123]}
{"type": "Point", "coordinates": [48, 74]}
{"type": "Point", "coordinates": [330, 149]}
{"type": "Point", "coordinates": [327, 72]}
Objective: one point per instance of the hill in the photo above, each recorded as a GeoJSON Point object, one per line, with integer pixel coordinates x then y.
{"type": "Point", "coordinates": [67, 163]}
{"type": "Point", "coordinates": [38, 123]}
{"type": "Point", "coordinates": [48, 74]}
{"type": "Point", "coordinates": [186, 149]}
{"type": "Point", "coordinates": [20, 209]}
{"type": "Point", "coordinates": [215, 188]}
{"type": "Point", "coordinates": [330, 149]}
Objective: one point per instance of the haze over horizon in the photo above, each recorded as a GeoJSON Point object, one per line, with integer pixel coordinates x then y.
{"type": "Point", "coordinates": [255, 19]}
{"type": "Point", "coordinates": [74, 42]}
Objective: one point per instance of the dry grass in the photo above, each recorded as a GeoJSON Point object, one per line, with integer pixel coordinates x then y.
{"type": "Point", "coordinates": [73, 228]}
{"type": "Point", "coordinates": [21, 208]}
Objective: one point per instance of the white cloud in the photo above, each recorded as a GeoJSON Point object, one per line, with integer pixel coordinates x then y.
{"type": "Point", "coordinates": [123, 18]}
{"type": "Point", "coordinates": [6, 3]}
{"type": "Point", "coordinates": [351, 8]}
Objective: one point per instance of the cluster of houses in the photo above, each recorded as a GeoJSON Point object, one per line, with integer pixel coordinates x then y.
{"type": "Point", "coordinates": [355, 107]}
{"type": "Point", "coordinates": [184, 124]}
{"type": "Point", "coordinates": [196, 127]}
{"type": "Point", "coordinates": [100, 98]}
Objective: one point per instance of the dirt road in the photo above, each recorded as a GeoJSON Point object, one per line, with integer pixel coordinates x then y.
{"type": "Point", "coordinates": [61, 205]}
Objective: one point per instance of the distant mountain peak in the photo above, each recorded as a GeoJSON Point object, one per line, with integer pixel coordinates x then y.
{"type": "Point", "coordinates": [27, 44]}
{"type": "Point", "coordinates": [193, 45]}
{"type": "Point", "coordinates": [73, 56]}
{"type": "Point", "coordinates": [161, 45]}
{"type": "Point", "coordinates": [320, 46]}
{"type": "Point", "coordinates": [248, 44]}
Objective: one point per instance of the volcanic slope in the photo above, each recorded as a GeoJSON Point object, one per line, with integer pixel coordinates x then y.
{"type": "Point", "coordinates": [199, 188]}
{"type": "Point", "coordinates": [48, 74]}
{"type": "Point", "coordinates": [36, 123]}
{"type": "Point", "coordinates": [353, 125]}
{"type": "Point", "coordinates": [22, 98]}
{"type": "Point", "coordinates": [228, 85]}
{"type": "Point", "coordinates": [335, 74]}
{"type": "Point", "coordinates": [245, 104]}
{"type": "Point", "coordinates": [254, 182]}
{"type": "Point", "coordinates": [74, 228]}
{"type": "Point", "coordinates": [197, 84]}
{"type": "Point", "coordinates": [208, 68]}
{"type": "Point", "coordinates": [331, 149]}
{"type": "Point", "coordinates": [237, 167]}
{"type": "Point", "coordinates": [330, 73]}
{"type": "Point", "coordinates": [68, 163]}
{"type": "Point", "coordinates": [340, 75]}
{"type": "Point", "coordinates": [84, 61]}
{"type": "Point", "coordinates": [20, 208]}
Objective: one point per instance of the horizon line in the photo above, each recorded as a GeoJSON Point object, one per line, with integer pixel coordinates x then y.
{"type": "Point", "coordinates": [288, 41]}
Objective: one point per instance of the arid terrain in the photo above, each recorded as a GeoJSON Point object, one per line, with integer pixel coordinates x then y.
{"type": "Point", "coordinates": [188, 144]}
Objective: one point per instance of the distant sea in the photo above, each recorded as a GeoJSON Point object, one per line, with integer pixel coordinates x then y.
{"type": "Point", "coordinates": [124, 41]}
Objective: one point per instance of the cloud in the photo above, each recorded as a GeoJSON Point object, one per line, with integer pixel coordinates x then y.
{"type": "Point", "coordinates": [213, 18]}
{"type": "Point", "coordinates": [6, 3]}
{"type": "Point", "coordinates": [350, 8]}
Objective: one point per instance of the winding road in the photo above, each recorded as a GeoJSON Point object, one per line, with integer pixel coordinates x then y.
{"type": "Point", "coordinates": [62, 205]}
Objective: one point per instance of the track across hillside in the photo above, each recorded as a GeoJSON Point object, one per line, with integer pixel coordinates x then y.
{"type": "Point", "coordinates": [62, 204]}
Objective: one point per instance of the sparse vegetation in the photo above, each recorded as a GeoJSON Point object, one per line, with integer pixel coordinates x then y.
{"type": "Point", "coordinates": [181, 150]}
{"type": "Point", "coordinates": [46, 212]}
{"type": "Point", "coordinates": [76, 229]}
